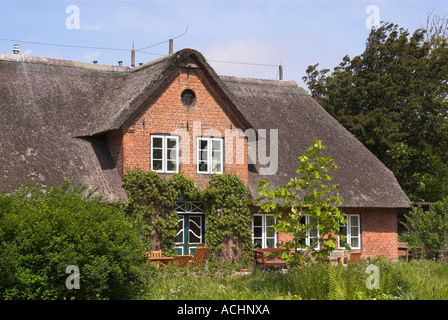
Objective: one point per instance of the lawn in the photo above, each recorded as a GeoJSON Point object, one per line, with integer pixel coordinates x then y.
{"type": "Point", "coordinates": [421, 280]}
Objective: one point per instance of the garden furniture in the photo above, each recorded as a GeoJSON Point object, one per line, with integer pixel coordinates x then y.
{"type": "Point", "coordinates": [182, 260]}
{"type": "Point", "coordinates": [268, 257]}
{"type": "Point", "coordinates": [200, 256]}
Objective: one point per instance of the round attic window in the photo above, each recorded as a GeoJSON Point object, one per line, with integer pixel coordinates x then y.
{"type": "Point", "coordinates": [188, 97]}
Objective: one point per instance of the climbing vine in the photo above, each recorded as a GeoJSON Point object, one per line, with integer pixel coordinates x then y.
{"type": "Point", "coordinates": [228, 217]}
{"type": "Point", "coordinates": [151, 206]}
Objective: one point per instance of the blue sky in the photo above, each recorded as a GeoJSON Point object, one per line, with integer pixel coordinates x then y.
{"type": "Point", "coordinates": [294, 33]}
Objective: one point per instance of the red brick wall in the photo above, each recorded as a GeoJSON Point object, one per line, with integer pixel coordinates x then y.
{"type": "Point", "coordinates": [379, 233]}
{"type": "Point", "coordinates": [131, 148]}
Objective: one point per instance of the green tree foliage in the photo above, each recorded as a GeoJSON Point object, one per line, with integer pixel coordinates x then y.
{"type": "Point", "coordinates": [228, 216]}
{"type": "Point", "coordinates": [393, 98]}
{"type": "Point", "coordinates": [427, 231]}
{"type": "Point", "coordinates": [42, 232]}
{"type": "Point", "coordinates": [305, 195]}
{"type": "Point", "coordinates": [151, 205]}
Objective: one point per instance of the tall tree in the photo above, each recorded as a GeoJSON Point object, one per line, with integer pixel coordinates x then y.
{"type": "Point", "coordinates": [393, 98]}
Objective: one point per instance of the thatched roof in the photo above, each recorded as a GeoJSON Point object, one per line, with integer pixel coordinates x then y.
{"type": "Point", "coordinates": [283, 105]}
{"type": "Point", "coordinates": [54, 114]}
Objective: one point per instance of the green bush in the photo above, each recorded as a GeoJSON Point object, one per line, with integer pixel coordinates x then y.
{"type": "Point", "coordinates": [427, 230]}
{"type": "Point", "coordinates": [42, 232]}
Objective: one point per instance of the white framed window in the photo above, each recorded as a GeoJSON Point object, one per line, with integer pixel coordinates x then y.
{"type": "Point", "coordinates": [263, 233]}
{"type": "Point", "coordinates": [312, 236]}
{"type": "Point", "coordinates": [165, 153]}
{"type": "Point", "coordinates": [210, 155]}
{"type": "Point", "coordinates": [352, 231]}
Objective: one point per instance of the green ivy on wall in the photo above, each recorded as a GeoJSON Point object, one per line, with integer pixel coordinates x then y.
{"type": "Point", "coordinates": [151, 206]}
{"type": "Point", "coordinates": [228, 216]}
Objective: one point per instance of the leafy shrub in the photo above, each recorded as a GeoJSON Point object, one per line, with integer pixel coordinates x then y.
{"type": "Point", "coordinates": [427, 230]}
{"type": "Point", "coordinates": [42, 232]}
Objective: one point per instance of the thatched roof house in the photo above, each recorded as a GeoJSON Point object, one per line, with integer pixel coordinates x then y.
{"type": "Point", "coordinates": [57, 118]}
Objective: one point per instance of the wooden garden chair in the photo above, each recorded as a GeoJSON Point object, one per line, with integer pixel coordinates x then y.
{"type": "Point", "coordinates": [200, 256]}
{"type": "Point", "coordinates": [182, 260]}
{"type": "Point", "coordinates": [157, 254]}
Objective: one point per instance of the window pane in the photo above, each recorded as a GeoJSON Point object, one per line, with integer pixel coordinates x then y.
{"type": "Point", "coordinates": [314, 243]}
{"type": "Point", "coordinates": [343, 230]}
{"type": "Point", "coordinates": [258, 232]}
{"type": "Point", "coordinates": [171, 143]}
{"type": "Point", "coordinates": [195, 229]}
{"type": "Point", "coordinates": [354, 242]}
{"type": "Point", "coordinates": [157, 164]}
{"type": "Point", "coordinates": [216, 167]}
{"type": "Point", "coordinates": [216, 155]}
{"type": "Point", "coordinates": [180, 230]}
{"type": "Point", "coordinates": [203, 167]}
{"type": "Point", "coordinates": [270, 222]}
{"type": "Point", "coordinates": [203, 144]}
{"type": "Point", "coordinates": [258, 221]}
{"type": "Point", "coordinates": [217, 145]}
{"type": "Point", "coordinates": [157, 142]}
{"type": "Point", "coordinates": [270, 243]}
{"type": "Point", "coordinates": [157, 154]}
{"type": "Point", "coordinates": [257, 243]}
{"type": "Point", "coordinates": [203, 155]}
{"type": "Point", "coordinates": [354, 231]}
{"type": "Point", "coordinates": [171, 165]}
{"type": "Point", "coordinates": [354, 220]}
{"type": "Point", "coordinates": [172, 154]}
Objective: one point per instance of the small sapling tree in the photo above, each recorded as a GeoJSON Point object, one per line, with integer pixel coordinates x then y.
{"type": "Point", "coordinates": [307, 195]}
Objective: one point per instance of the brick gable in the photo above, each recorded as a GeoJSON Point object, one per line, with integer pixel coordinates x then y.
{"type": "Point", "coordinates": [165, 113]}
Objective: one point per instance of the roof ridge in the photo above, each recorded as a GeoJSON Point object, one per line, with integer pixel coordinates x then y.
{"type": "Point", "coordinates": [60, 62]}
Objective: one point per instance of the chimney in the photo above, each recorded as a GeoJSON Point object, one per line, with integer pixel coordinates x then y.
{"type": "Point", "coordinates": [132, 56]}
{"type": "Point", "coordinates": [16, 49]}
{"type": "Point", "coordinates": [280, 72]}
{"type": "Point", "coordinates": [120, 63]}
{"type": "Point", "coordinates": [171, 46]}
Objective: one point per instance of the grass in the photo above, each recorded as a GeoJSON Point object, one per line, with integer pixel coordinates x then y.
{"type": "Point", "coordinates": [422, 280]}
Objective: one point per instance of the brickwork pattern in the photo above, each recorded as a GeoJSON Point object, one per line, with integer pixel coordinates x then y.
{"type": "Point", "coordinates": [130, 146]}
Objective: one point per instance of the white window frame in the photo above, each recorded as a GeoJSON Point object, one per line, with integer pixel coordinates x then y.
{"type": "Point", "coordinates": [164, 159]}
{"type": "Point", "coordinates": [308, 240]}
{"type": "Point", "coordinates": [264, 238]}
{"type": "Point", "coordinates": [209, 151]}
{"type": "Point", "coordinates": [349, 235]}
